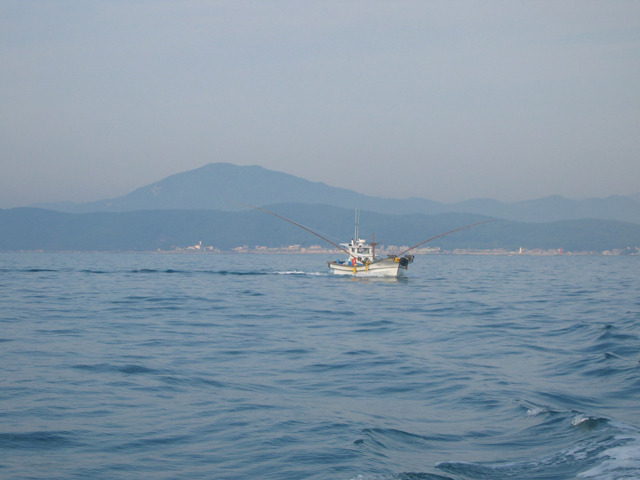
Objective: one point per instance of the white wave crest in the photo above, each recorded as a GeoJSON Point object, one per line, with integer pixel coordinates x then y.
{"type": "Point", "coordinates": [620, 463]}
{"type": "Point", "coordinates": [532, 412]}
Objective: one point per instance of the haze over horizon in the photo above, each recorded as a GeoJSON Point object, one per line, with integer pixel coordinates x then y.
{"type": "Point", "coordinates": [438, 100]}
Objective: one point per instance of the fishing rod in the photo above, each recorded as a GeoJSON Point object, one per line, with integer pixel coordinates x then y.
{"type": "Point", "coordinates": [296, 224]}
{"type": "Point", "coordinates": [442, 235]}
{"type": "Point", "coordinates": [345, 251]}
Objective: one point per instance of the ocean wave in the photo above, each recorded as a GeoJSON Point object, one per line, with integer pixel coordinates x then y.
{"type": "Point", "coordinates": [614, 454]}
{"type": "Point", "coordinates": [153, 270]}
{"type": "Point", "coordinates": [620, 461]}
{"type": "Point", "coordinates": [403, 476]}
{"type": "Point", "coordinates": [36, 440]}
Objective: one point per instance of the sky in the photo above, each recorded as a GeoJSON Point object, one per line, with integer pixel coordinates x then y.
{"type": "Point", "coordinates": [445, 100]}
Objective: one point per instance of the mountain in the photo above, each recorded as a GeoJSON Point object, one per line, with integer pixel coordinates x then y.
{"type": "Point", "coordinates": [217, 186]}
{"type": "Point", "coordinates": [28, 229]}
{"type": "Point", "coordinates": [555, 207]}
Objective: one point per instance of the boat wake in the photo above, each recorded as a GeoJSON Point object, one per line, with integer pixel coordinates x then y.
{"type": "Point", "coordinates": [299, 272]}
{"type": "Point", "coordinates": [231, 272]}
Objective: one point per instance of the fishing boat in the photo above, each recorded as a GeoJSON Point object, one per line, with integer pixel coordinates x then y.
{"type": "Point", "coordinates": [362, 260]}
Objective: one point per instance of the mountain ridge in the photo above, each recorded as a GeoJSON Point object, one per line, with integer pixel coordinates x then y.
{"type": "Point", "coordinates": [29, 229]}
{"type": "Point", "coordinates": [223, 186]}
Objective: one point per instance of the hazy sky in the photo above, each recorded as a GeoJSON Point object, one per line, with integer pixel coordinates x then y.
{"type": "Point", "coordinates": [446, 100]}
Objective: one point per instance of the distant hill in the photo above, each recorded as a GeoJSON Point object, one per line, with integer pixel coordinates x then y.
{"type": "Point", "coordinates": [217, 186]}
{"type": "Point", "coordinates": [555, 207]}
{"type": "Point", "coordinates": [150, 230]}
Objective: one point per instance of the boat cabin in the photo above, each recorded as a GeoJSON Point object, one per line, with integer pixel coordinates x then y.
{"type": "Point", "coordinates": [360, 250]}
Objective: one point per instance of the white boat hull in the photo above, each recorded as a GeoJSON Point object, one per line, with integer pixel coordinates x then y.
{"type": "Point", "coordinates": [381, 268]}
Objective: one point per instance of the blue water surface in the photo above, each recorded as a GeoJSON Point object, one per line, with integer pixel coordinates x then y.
{"type": "Point", "coordinates": [203, 366]}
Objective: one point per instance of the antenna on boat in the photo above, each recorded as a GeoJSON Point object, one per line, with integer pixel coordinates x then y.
{"type": "Point", "coordinates": [442, 235]}
{"type": "Point", "coordinates": [357, 237]}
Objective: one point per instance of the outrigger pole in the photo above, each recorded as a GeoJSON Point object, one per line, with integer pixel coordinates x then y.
{"type": "Point", "coordinates": [358, 218]}
{"type": "Point", "coordinates": [296, 224]}
{"type": "Point", "coordinates": [442, 235]}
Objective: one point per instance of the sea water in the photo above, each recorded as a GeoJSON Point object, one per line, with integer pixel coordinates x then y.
{"type": "Point", "coordinates": [169, 366]}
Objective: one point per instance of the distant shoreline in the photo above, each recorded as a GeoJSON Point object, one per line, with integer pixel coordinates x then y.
{"type": "Point", "coordinates": [531, 253]}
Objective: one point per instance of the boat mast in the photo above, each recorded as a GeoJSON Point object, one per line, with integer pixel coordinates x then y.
{"type": "Point", "coordinates": [357, 237]}
{"type": "Point", "coordinates": [373, 247]}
